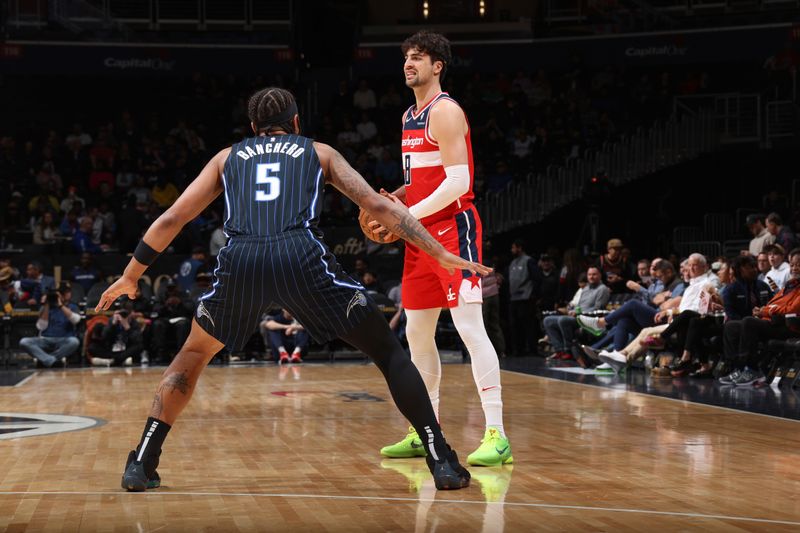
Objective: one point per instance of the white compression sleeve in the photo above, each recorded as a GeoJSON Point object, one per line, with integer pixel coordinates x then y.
{"type": "Point", "coordinates": [420, 332]}
{"type": "Point", "coordinates": [454, 185]}
{"type": "Point", "coordinates": [468, 319]}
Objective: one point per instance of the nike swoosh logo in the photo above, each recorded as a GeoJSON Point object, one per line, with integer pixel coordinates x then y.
{"type": "Point", "coordinates": [501, 452]}
{"type": "Point", "coordinates": [415, 445]}
{"type": "Point", "coordinates": [443, 231]}
{"type": "Point", "coordinates": [488, 388]}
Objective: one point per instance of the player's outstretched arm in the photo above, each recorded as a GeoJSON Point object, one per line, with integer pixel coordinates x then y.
{"type": "Point", "coordinates": [197, 196]}
{"type": "Point", "coordinates": [392, 215]}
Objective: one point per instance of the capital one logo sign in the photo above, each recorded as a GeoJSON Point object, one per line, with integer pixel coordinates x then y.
{"type": "Point", "coordinates": [18, 425]}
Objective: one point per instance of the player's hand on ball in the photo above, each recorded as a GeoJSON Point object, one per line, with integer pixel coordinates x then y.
{"type": "Point", "coordinates": [372, 228]}
{"type": "Point", "coordinates": [452, 262]}
{"type": "Point", "coordinates": [122, 286]}
{"type": "Point", "coordinates": [382, 233]}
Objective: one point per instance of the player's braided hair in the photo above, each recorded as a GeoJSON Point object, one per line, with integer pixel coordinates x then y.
{"type": "Point", "coordinates": [435, 45]}
{"type": "Point", "coordinates": [266, 104]}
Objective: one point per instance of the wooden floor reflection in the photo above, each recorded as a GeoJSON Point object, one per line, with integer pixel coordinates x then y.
{"type": "Point", "coordinates": [295, 449]}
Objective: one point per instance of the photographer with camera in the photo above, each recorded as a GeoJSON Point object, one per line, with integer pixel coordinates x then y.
{"type": "Point", "coordinates": [57, 339]}
{"type": "Point", "coordinates": [118, 342]}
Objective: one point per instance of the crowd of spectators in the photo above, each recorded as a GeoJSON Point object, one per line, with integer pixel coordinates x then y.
{"type": "Point", "coordinates": [604, 310]}
{"type": "Point", "coordinates": [75, 181]}
{"type": "Point", "coordinates": [94, 185]}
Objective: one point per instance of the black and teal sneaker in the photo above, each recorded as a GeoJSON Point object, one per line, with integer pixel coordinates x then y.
{"type": "Point", "coordinates": [139, 476]}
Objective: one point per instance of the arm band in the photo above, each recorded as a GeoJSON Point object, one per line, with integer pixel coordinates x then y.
{"type": "Point", "coordinates": [145, 254]}
{"type": "Point", "coordinates": [454, 185]}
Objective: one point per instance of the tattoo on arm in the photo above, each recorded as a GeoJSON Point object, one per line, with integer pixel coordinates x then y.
{"type": "Point", "coordinates": [398, 219]}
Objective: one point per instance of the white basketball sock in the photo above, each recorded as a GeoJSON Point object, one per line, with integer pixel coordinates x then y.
{"type": "Point", "coordinates": [468, 319]}
{"type": "Point", "coordinates": [421, 332]}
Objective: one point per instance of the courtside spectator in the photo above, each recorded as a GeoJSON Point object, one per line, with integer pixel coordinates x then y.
{"type": "Point", "coordinates": [762, 263]}
{"type": "Point", "coordinates": [57, 339]}
{"type": "Point", "coordinates": [172, 326]}
{"type": "Point", "coordinates": [283, 333]}
{"type": "Point", "coordinates": [615, 268]}
{"type": "Point", "coordinates": [742, 337]}
{"type": "Point", "coordinates": [779, 273]}
{"type": "Point", "coordinates": [119, 342]}
{"type": "Point", "coordinates": [561, 329]}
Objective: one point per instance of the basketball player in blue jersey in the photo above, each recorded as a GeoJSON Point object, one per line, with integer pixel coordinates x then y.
{"type": "Point", "coordinates": [272, 185]}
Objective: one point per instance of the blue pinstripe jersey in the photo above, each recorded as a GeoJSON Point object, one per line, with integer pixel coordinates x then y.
{"type": "Point", "coordinates": [273, 184]}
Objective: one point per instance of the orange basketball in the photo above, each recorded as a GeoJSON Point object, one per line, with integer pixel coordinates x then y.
{"type": "Point", "coordinates": [364, 218]}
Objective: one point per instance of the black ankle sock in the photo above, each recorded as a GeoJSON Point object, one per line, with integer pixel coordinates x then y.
{"type": "Point", "coordinates": [433, 441]}
{"type": "Point", "coordinates": [155, 431]}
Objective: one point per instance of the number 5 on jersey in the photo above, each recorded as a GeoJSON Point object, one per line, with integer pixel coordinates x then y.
{"type": "Point", "coordinates": [265, 175]}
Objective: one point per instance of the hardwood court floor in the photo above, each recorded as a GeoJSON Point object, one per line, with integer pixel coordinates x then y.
{"type": "Point", "coordinates": [260, 450]}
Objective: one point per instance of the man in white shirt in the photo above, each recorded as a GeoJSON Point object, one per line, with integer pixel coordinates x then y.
{"type": "Point", "coordinates": [778, 275]}
{"type": "Point", "coordinates": [701, 278]}
{"type": "Point", "coordinates": [761, 237]}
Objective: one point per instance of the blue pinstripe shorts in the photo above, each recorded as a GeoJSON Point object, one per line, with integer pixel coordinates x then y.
{"type": "Point", "coordinates": [293, 270]}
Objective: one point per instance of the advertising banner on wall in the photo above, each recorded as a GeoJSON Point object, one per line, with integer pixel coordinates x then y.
{"type": "Point", "coordinates": [28, 58]}
{"type": "Point", "coordinates": [722, 45]}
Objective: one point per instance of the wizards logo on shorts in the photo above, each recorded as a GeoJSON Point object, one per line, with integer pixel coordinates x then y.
{"type": "Point", "coordinates": [358, 299]}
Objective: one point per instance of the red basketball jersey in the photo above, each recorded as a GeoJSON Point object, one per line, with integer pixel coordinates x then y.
{"type": "Point", "coordinates": [422, 161]}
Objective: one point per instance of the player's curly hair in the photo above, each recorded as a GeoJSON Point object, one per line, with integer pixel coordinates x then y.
{"type": "Point", "coordinates": [267, 103]}
{"type": "Point", "coordinates": [435, 45]}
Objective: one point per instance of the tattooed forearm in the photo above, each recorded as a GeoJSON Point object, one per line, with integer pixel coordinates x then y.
{"type": "Point", "coordinates": [348, 180]}
{"type": "Point", "coordinates": [393, 216]}
{"type": "Point", "coordinates": [408, 228]}
{"type": "Point", "coordinates": [178, 382]}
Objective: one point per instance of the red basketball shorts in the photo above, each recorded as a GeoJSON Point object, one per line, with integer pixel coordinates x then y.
{"type": "Point", "coordinates": [426, 285]}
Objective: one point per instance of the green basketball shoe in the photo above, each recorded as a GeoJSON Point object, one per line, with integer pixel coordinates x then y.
{"type": "Point", "coordinates": [493, 451]}
{"type": "Point", "coordinates": [411, 446]}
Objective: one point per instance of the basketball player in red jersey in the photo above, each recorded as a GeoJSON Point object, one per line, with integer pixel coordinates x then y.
{"type": "Point", "coordinates": [438, 173]}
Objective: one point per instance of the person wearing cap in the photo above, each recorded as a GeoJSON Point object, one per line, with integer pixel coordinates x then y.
{"type": "Point", "coordinates": [761, 237]}
{"type": "Point", "coordinates": [778, 275]}
{"type": "Point", "coordinates": [783, 234]}
{"type": "Point", "coordinates": [615, 269]}
{"type": "Point", "coordinates": [8, 295]}
{"type": "Point", "coordinates": [57, 338]}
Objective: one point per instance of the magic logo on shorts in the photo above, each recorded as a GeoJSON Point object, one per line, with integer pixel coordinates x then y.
{"type": "Point", "coordinates": [202, 311]}
{"type": "Point", "coordinates": [358, 299]}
